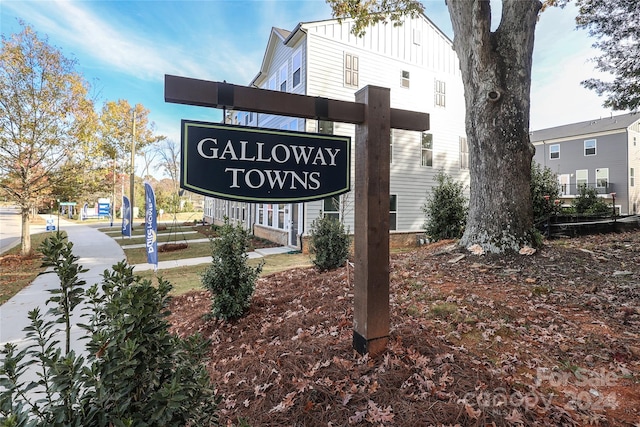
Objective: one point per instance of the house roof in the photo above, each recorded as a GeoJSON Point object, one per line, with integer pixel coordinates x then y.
{"type": "Point", "coordinates": [606, 124]}
{"type": "Point", "coordinates": [286, 36]}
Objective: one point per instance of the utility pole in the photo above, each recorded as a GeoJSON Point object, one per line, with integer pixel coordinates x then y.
{"type": "Point", "coordinates": [133, 169]}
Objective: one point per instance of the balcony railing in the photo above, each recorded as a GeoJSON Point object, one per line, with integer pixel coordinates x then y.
{"type": "Point", "coordinates": [605, 188]}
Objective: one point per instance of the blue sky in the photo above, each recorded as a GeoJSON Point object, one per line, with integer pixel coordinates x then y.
{"type": "Point", "coordinates": [124, 49]}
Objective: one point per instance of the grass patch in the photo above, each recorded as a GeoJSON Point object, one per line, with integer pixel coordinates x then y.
{"type": "Point", "coordinates": [185, 279]}
{"type": "Point", "coordinates": [194, 250]}
{"type": "Point", "coordinates": [443, 310]}
{"type": "Point", "coordinates": [17, 272]}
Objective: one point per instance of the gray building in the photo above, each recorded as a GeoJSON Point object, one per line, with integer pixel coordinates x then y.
{"type": "Point", "coordinates": [602, 153]}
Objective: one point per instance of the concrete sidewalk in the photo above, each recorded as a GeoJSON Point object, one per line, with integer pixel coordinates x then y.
{"type": "Point", "coordinates": [98, 252]}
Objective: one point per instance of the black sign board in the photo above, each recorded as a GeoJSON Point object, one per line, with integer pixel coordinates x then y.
{"type": "Point", "coordinates": [263, 165]}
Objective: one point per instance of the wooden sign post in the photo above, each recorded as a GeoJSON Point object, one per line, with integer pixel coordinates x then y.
{"type": "Point", "coordinates": [374, 119]}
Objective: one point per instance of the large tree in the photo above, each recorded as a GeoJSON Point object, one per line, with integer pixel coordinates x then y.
{"type": "Point", "coordinates": [44, 111]}
{"type": "Point", "coordinates": [615, 24]}
{"type": "Point", "coordinates": [496, 73]}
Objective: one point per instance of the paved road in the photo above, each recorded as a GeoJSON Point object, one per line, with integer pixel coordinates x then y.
{"type": "Point", "coordinates": [9, 227]}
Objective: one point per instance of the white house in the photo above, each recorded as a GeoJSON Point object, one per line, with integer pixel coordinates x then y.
{"type": "Point", "coordinates": [417, 62]}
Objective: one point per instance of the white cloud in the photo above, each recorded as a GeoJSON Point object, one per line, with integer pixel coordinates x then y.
{"type": "Point", "coordinates": [560, 63]}
{"type": "Point", "coordinates": [120, 47]}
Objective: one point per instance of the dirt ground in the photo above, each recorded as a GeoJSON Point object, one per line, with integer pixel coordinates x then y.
{"type": "Point", "coordinates": [551, 339]}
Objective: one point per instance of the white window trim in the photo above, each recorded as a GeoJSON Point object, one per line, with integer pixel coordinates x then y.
{"type": "Point", "coordinates": [286, 80]}
{"type": "Point", "coordinates": [405, 82]}
{"type": "Point", "coordinates": [294, 69]}
{"type": "Point", "coordinates": [598, 171]}
{"type": "Point", "coordinates": [395, 226]}
{"type": "Point", "coordinates": [595, 147]}
{"type": "Point", "coordinates": [422, 149]}
{"type": "Point", "coordinates": [586, 171]}
{"type": "Point", "coordinates": [551, 152]}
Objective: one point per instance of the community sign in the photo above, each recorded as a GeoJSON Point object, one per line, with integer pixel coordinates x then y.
{"type": "Point", "coordinates": [263, 165]}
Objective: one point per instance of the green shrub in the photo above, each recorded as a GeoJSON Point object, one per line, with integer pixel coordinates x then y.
{"type": "Point", "coordinates": [329, 242]}
{"type": "Point", "coordinates": [588, 202]}
{"type": "Point", "coordinates": [135, 372]}
{"type": "Point", "coordinates": [445, 209]}
{"type": "Point", "coordinates": [545, 190]}
{"type": "Point", "coordinates": [229, 278]}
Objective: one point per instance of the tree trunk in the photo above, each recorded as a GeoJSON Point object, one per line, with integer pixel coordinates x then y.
{"type": "Point", "coordinates": [496, 73]}
{"type": "Point", "coordinates": [25, 248]}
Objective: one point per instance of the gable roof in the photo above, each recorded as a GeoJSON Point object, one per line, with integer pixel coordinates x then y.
{"type": "Point", "coordinates": [619, 122]}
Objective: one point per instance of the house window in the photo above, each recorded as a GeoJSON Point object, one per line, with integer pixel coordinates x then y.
{"type": "Point", "coordinates": [331, 208]}
{"type": "Point", "coordinates": [297, 68]}
{"type": "Point", "coordinates": [440, 93]}
{"type": "Point", "coordinates": [427, 149]}
{"type": "Point", "coordinates": [261, 213]}
{"type": "Point", "coordinates": [417, 37]}
{"type": "Point", "coordinates": [582, 177]}
{"type": "Point", "coordinates": [351, 70]}
{"type": "Point", "coordinates": [283, 78]}
{"type": "Point", "coordinates": [590, 147]}
{"type": "Point", "coordinates": [404, 79]}
{"type": "Point", "coordinates": [602, 178]}
{"type": "Point", "coordinates": [464, 153]}
{"type": "Point", "coordinates": [554, 151]}
{"type": "Point", "coordinates": [325, 127]}
{"type": "Point", "coordinates": [272, 83]}
{"type": "Point", "coordinates": [251, 117]}
{"type": "Point", "coordinates": [634, 141]}
{"type": "Point", "coordinates": [393, 212]}
{"type": "Point", "coordinates": [269, 215]}
{"type": "Point", "coordinates": [391, 146]}
{"type": "Point", "coordinates": [632, 177]}
{"type": "Point", "coordinates": [281, 212]}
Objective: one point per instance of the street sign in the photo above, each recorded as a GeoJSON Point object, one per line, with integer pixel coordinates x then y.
{"type": "Point", "coordinates": [51, 226]}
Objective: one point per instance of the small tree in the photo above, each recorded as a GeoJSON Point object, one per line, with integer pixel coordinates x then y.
{"type": "Point", "coordinates": [445, 209]}
{"type": "Point", "coordinates": [229, 278]}
{"type": "Point", "coordinates": [135, 371]}
{"type": "Point", "coordinates": [330, 243]}
{"type": "Point", "coordinates": [544, 191]}
{"type": "Point", "coordinates": [588, 202]}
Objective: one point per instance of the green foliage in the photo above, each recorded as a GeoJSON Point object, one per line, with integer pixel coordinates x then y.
{"type": "Point", "coordinates": [371, 12]}
{"type": "Point", "coordinates": [615, 24]}
{"type": "Point", "coordinates": [545, 190]}
{"type": "Point", "coordinates": [229, 278]}
{"type": "Point", "coordinates": [588, 202]}
{"type": "Point", "coordinates": [330, 243]}
{"type": "Point", "coordinates": [135, 373]}
{"type": "Point", "coordinates": [445, 209]}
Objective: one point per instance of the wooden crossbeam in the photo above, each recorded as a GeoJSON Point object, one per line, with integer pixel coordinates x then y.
{"type": "Point", "coordinates": [203, 93]}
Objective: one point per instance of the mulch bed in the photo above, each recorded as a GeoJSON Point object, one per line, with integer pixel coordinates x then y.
{"type": "Point", "coordinates": [476, 340]}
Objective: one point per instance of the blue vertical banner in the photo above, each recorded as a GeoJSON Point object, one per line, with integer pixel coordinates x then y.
{"type": "Point", "coordinates": [126, 216]}
{"type": "Point", "coordinates": [151, 225]}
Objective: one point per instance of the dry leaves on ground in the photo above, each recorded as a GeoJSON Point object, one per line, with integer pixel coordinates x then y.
{"type": "Point", "coordinates": [551, 338]}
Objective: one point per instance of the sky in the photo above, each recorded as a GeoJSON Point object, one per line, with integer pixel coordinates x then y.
{"type": "Point", "coordinates": [124, 48]}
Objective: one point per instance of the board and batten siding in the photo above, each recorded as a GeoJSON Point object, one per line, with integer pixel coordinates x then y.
{"type": "Point", "coordinates": [383, 53]}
